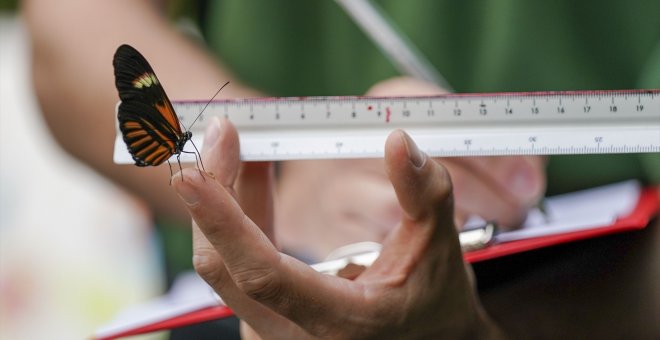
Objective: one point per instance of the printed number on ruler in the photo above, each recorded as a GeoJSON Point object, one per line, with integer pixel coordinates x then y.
{"type": "Point", "coordinates": [447, 125]}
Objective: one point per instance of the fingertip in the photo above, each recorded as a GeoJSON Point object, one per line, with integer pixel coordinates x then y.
{"type": "Point", "coordinates": [526, 180]}
{"type": "Point", "coordinates": [221, 151]}
{"type": "Point", "coordinates": [220, 132]}
{"type": "Point", "coordinates": [228, 129]}
{"type": "Point", "coordinates": [192, 175]}
{"type": "Point", "coordinates": [415, 156]}
{"type": "Point", "coordinates": [402, 155]}
{"type": "Point", "coordinates": [186, 183]}
{"type": "Point", "coordinates": [420, 185]}
{"type": "Point", "coordinates": [395, 151]}
{"type": "Point", "coordinates": [211, 134]}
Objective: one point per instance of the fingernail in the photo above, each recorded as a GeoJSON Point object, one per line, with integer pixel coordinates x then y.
{"type": "Point", "coordinates": [212, 132]}
{"type": "Point", "coordinates": [185, 187]}
{"type": "Point", "coordinates": [417, 158]}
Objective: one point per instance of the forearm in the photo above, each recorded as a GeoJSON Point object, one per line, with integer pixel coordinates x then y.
{"type": "Point", "coordinates": [73, 42]}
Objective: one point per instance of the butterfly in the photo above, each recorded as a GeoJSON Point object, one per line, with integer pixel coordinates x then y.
{"type": "Point", "coordinates": [148, 123]}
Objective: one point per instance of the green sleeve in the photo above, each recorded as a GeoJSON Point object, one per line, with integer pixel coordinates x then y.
{"type": "Point", "coordinates": [302, 47]}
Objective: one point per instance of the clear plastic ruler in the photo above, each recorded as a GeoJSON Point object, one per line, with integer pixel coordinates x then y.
{"type": "Point", "coordinates": [489, 124]}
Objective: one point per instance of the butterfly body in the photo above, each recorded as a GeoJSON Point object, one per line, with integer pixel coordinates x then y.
{"type": "Point", "coordinates": [148, 123]}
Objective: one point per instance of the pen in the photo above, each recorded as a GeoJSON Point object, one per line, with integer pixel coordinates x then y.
{"type": "Point", "coordinates": [401, 52]}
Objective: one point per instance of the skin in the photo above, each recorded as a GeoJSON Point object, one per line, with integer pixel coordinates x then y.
{"type": "Point", "coordinates": [74, 81]}
{"type": "Point", "coordinates": [418, 287]}
{"type": "Point", "coordinates": [318, 206]}
{"type": "Point", "coordinates": [75, 87]}
{"type": "Point", "coordinates": [326, 204]}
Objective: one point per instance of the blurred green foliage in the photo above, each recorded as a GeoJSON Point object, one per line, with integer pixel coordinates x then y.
{"type": "Point", "coordinates": [179, 8]}
{"type": "Point", "coordinates": [8, 5]}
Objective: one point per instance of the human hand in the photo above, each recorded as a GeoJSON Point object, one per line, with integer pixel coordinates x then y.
{"type": "Point", "coordinates": [331, 203]}
{"type": "Point", "coordinates": [417, 288]}
{"type": "Point", "coordinates": [498, 189]}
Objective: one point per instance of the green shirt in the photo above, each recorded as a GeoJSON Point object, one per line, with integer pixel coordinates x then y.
{"type": "Point", "coordinates": [302, 47]}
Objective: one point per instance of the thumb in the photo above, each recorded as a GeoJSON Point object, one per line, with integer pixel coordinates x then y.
{"type": "Point", "coordinates": [422, 186]}
{"type": "Point", "coordinates": [423, 189]}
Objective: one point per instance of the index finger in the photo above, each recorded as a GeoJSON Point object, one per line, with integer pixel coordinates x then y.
{"type": "Point", "coordinates": [282, 283]}
{"type": "Point", "coordinates": [220, 151]}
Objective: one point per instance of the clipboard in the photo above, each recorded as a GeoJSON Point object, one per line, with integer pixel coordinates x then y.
{"type": "Point", "coordinates": [646, 208]}
{"type": "Point", "coordinates": [210, 307]}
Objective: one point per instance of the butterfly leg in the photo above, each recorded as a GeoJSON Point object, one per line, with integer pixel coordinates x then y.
{"type": "Point", "coordinates": [178, 160]}
{"type": "Point", "coordinates": [171, 174]}
{"type": "Point", "coordinates": [200, 156]}
{"type": "Point", "coordinates": [197, 161]}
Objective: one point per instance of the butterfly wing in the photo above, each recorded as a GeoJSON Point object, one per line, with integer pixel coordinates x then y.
{"type": "Point", "coordinates": [148, 140]}
{"type": "Point", "coordinates": [147, 120]}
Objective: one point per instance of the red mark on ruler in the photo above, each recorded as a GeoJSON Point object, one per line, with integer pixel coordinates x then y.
{"type": "Point", "coordinates": [370, 107]}
{"type": "Point", "coordinates": [388, 114]}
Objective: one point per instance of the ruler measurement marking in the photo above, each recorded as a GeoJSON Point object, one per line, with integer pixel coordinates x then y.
{"type": "Point", "coordinates": [494, 124]}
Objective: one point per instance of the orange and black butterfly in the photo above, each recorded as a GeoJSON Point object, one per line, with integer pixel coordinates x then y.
{"type": "Point", "coordinates": [150, 128]}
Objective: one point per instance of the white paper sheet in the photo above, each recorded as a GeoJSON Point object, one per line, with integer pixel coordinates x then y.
{"type": "Point", "coordinates": [188, 293]}
{"type": "Point", "coordinates": [578, 211]}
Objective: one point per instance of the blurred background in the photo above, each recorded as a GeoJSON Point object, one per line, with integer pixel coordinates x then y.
{"type": "Point", "coordinates": [75, 249]}
{"type": "Point", "coordinates": [61, 225]}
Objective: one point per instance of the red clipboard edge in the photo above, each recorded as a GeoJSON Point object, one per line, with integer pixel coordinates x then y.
{"type": "Point", "coordinates": [647, 207]}
{"type": "Point", "coordinates": [198, 316]}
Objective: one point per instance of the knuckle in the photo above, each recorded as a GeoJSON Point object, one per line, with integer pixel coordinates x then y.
{"type": "Point", "coordinates": [260, 283]}
{"type": "Point", "coordinates": [208, 266]}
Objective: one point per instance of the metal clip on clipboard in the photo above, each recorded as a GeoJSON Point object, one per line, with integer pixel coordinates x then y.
{"type": "Point", "coordinates": [365, 253]}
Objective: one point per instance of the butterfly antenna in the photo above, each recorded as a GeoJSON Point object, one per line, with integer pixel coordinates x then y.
{"type": "Point", "coordinates": [207, 105]}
